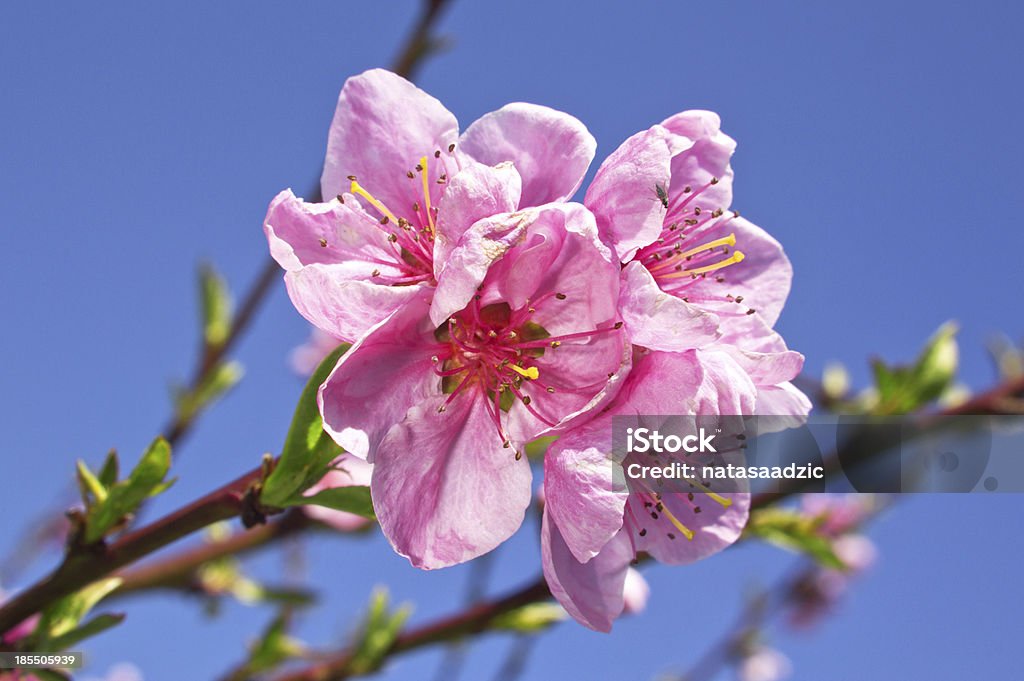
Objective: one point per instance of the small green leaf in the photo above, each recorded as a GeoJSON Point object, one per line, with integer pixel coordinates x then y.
{"type": "Point", "coordinates": [351, 499]}
{"type": "Point", "coordinates": [93, 627]}
{"type": "Point", "coordinates": [530, 618]}
{"type": "Point", "coordinates": [796, 532]}
{"type": "Point", "coordinates": [215, 301]}
{"type": "Point", "coordinates": [65, 614]}
{"type": "Point", "coordinates": [110, 470]}
{"type": "Point", "coordinates": [904, 389]}
{"type": "Point", "coordinates": [145, 480]}
{"type": "Point", "coordinates": [273, 647]}
{"type": "Point", "coordinates": [91, 488]}
{"type": "Point", "coordinates": [379, 631]}
{"type": "Point", "coordinates": [307, 450]}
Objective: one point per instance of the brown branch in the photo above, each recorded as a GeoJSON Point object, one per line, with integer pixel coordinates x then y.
{"type": "Point", "coordinates": [83, 565]}
{"type": "Point", "coordinates": [179, 570]}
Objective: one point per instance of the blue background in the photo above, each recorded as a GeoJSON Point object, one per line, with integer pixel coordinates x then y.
{"type": "Point", "coordinates": [879, 142]}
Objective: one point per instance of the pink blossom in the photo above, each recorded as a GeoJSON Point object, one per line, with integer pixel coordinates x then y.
{"type": "Point", "coordinates": [592, 530]}
{"type": "Point", "coordinates": [522, 339]}
{"type": "Point", "coordinates": [635, 592]}
{"type": "Point", "coordinates": [401, 186]}
{"type": "Point", "coordinates": [348, 471]}
{"type": "Point", "coordinates": [694, 270]}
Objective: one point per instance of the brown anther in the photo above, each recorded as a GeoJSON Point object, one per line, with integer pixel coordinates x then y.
{"type": "Point", "coordinates": [550, 389]}
{"type": "Point", "coordinates": [385, 220]}
{"type": "Point", "coordinates": [560, 296]}
{"type": "Point", "coordinates": [410, 174]}
{"type": "Point", "coordinates": [739, 299]}
{"type": "Point", "coordinates": [419, 168]}
{"type": "Point", "coordinates": [437, 154]}
{"type": "Point", "coordinates": [751, 311]}
{"type": "Point", "coordinates": [526, 399]}
{"type": "Point", "coordinates": [416, 207]}
{"type": "Point", "coordinates": [352, 178]}
{"type": "Point", "coordinates": [323, 243]}
{"type": "Point", "coordinates": [687, 189]}
{"type": "Point", "coordinates": [714, 180]}
{"type": "Point", "coordinates": [375, 273]}
{"type": "Point", "coordinates": [618, 325]}
{"type": "Point", "coordinates": [519, 455]}
{"type": "Point", "coordinates": [555, 344]}
{"type": "Point", "coordinates": [696, 211]}
{"type": "Point", "coordinates": [717, 213]}
{"type": "Point", "coordinates": [341, 199]}
{"type": "Point", "coordinates": [392, 238]}
{"type": "Point", "coordinates": [451, 148]}
{"type": "Point", "coordinates": [440, 410]}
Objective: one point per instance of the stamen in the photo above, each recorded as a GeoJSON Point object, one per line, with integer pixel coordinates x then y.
{"type": "Point", "coordinates": [736, 257]}
{"type": "Point", "coordinates": [426, 192]}
{"type": "Point", "coordinates": [358, 189]}
{"type": "Point", "coordinates": [532, 373]}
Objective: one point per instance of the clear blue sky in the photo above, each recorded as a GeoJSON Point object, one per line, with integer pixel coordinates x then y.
{"type": "Point", "coordinates": [880, 142]}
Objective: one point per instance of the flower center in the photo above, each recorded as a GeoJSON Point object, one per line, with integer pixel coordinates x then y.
{"type": "Point", "coordinates": [673, 259]}
{"type": "Point", "coordinates": [494, 350]}
{"type": "Point", "coordinates": [411, 230]}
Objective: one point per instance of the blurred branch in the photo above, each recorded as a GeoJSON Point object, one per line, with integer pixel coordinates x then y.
{"type": "Point", "coordinates": [84, 564]}
{"type": "Point", "coordinates": [180, 571]}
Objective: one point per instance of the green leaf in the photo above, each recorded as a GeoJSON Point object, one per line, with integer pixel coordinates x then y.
{"type": "Point", "coordinates": [530, 618]}
{"type": "Point", "coordinates": [93, 627]}
{"type": "Point", "coordinates": [110, 471]}
{"type": "Point", "coordinates": [380, 629]}
{"type": "Point", "coordinates": [308, 450]}
{"type": "Point", "coordinates": [64, 615]}
{"type": "Point", "coordinates": [351, 499]}
{"type": "Point", "coordinates": [215, 301]}
{"type": "Point", "coordinates": [904, 389]}
{"type": "Point", "coordinates": [145, 480]}
{"type": "Point", "coordinates": [221, 379]}
{"type": "Point", "coordinates": [273, 647]}
{"type": "Point", "coordinates": [93, 491]}
{"type": "Point", "coordinates": [796, 532]}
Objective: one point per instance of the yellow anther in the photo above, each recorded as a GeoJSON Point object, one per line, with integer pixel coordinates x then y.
{"type": "Point", "coordinates": [426, 191]}
{"type": "Point", "coordinates": [736, 257]}
{"type": "Point", "coordinates": [532, 373]}
{"type": "Point", "coordinates": [724, 241]}
{"type": "Point", "coordinates": [687, 532]}
{"type": "Point", "coordinates": [359, 191]}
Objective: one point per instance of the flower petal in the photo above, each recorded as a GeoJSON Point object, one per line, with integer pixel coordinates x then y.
{"type": "Point", "coordinates": [591, 592]}
{"type": "Point", "coordinates": [382, 126]}
{"type": "Point", "coordinates": [702, 152]}
{"type": "Point", "coordinates": [376, 382]}
{"type": "Point", "coordinates": [659, 320]}
{"type": "Point", "coordinates": [762, 279]}
{"type": "Point", "coordinates": [715, 525]}
{"type": "Point", "coordinates": [343, 306]}
{"type": "Point", "coordinates": [578, 490]}
{"type": "Point", "coordinates": [444, 488]}
{"type": "Point", "coordinates": [550, 149]}
{"type": "Point", "coordinates": [335, 233]}
{"type": "Point", "coordinates": [784, 399]}
{"type": "Point", "coordinates": [477, 192]}
{"type": "Point", "coordinates": [624, 194]}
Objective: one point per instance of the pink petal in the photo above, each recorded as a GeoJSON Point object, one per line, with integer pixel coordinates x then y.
{"type": "Point", "coordinates": [659, 320]}
{"type": "Point", "coordinates": [376, 382]}
{"type": "Point", "coordinates": [701, 152]}
{"type": "Point", "coordinates": [591, 592]}
{"type": "Point", "coordinates": [477, 192]}
{"type": "Point", "coordinates": [550, 149]}
{"type": "Point", "coordinates": [444, 488]}
{"type": "Point", "coordinates": [784, 399]}
{"type": "Point", "coordinates": [334, 233]}
{"type": "Point", "coordinates": [344, 307]}
{"type": "Point", "coordinates": [382, 126]}
{"type": "Point", "coordinates": [715, 527]}
{"type": "Point", "coordinates": [578, 490]}
{"type": "Point", "coordinates": [623, 195]}
{"type": "Point", "coordinates": [763, 278]}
